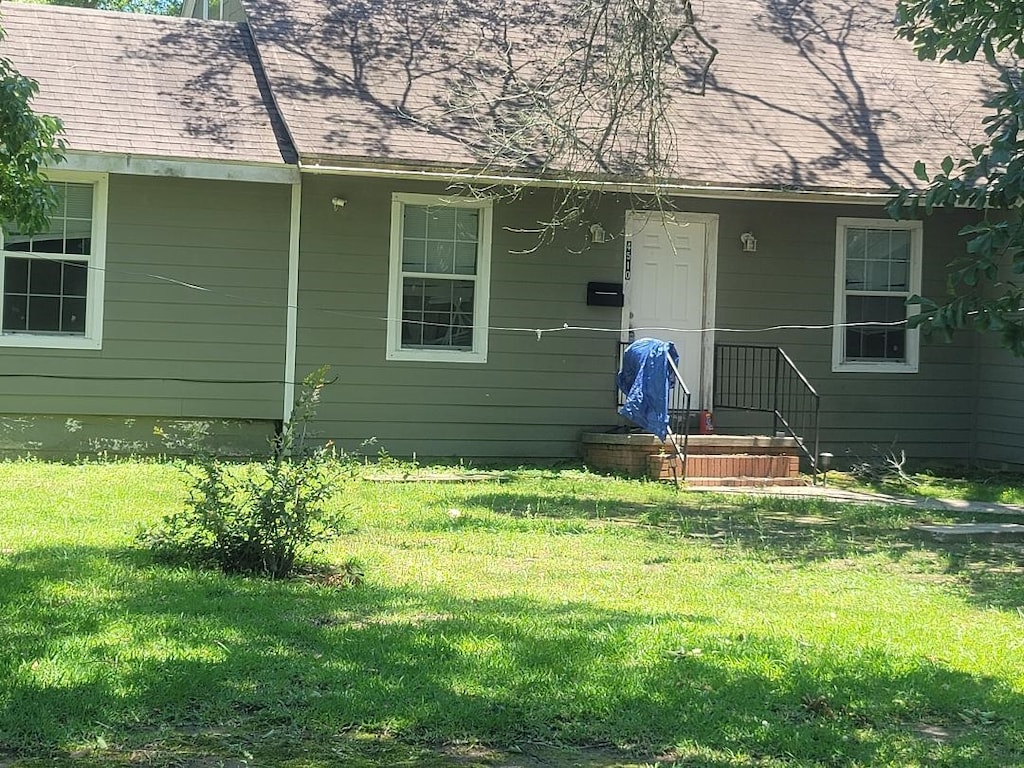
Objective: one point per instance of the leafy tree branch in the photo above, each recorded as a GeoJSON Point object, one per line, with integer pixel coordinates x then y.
{"type": "Point", "coordinates": [28, 143]}
{"type": "Point", "coordinates": [984, 288]}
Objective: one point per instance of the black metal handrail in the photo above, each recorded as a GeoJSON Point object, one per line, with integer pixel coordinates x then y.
{"type": "Point", "coordinates": [763, 378]}
{"type": "Point", "coordinates": [679, 409]}
{"type": "Point", "coordinates": [679, 417]}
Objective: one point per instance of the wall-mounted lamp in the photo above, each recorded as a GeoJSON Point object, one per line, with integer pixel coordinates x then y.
{"type": "Point", "coordinates": [338, 202]}
{"type": "Point", "coordinates": [597, 234]}
{"type": "Point", "coordinates": [749, 242]}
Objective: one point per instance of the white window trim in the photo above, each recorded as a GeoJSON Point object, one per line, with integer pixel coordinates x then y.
{"type": "Point", "coordinates": [913, 341]}
{"type": "Point", "coordinates": [93, 338]}
{"type": "Point", "coordinates": [481, 302]}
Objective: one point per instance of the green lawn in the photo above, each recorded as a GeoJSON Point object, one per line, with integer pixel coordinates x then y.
{"type": "Point", "coordinates": [558, 618]}
{"type": "Point", "coordinates": [976, 485]}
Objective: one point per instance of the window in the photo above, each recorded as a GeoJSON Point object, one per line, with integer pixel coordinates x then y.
{"type": "Point", "coordinates": [440, 265]}
{"type": "Point", "coordinates": [51, 282]}
{"type": "Point", "coordinates": [878, 267]}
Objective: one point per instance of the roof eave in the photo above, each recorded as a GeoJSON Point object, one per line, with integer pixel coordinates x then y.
{"type": "Point", "coordinates": [321, 164]}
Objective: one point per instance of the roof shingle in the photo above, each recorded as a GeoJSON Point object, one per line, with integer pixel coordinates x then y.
{"type": "Point", "coordinates": [147, 85]}
{"type": "Point", "coordinates": [805, 94]}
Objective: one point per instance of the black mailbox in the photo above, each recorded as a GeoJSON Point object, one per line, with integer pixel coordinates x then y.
{"type": "Point", "coordinates": [604, 295]}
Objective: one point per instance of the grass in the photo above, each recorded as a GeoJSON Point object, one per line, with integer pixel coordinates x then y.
{"type": "Point", "coordinates": [1001, 487]}
{"type": "Point", "coordinates": [555, 618]}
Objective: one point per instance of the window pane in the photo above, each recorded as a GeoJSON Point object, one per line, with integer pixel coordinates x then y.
{"type": "Point", "coordinates": [50, 295]}
{"type": "Point", "coordinates": [876, 342]}
{"type": "Point", "coordinates": [440, 258]}
{"type": "Point", "coordinates": [465, 258]}
{"type": "Point", "coordinates": [413, 255]}
{"type": "Point", "coordinates": [15, 312]}
{"type": "Point", "coordinates": [72, 318]}
{"type": "Point", "coordinates": [877, 244]}
{"type": "Point", "coordinates": [899, 276]}
{"type": "Point", "coordinates": [16, 242]}
{"type": "Point", "coordinates": [415, 221]}
{"type": "Point", "coordinates": [44, 277]}
{"type": "Point", "coordinates": [876, 275]}
{"type": "Point", "coordinates": [855, 274]}
{"type": "Point", "coordinates": [77, 237]}
{"type": "Point", "coordinates": [45, 296]}
{"type": "Point", "coordinates": [878, 260]}
{"type": "Point", "coordinates": [48, 243]}
{"type": "Point", "coordinates": [468, 225]}
{"type": "Point", "coordinates": [16, 275]}
{"type": "Point", "coordinates": [76, 279]}
{"type": "Point", "coordinates": [79, 201]}
{"type": "Point", "coordinates": [441, 223]}
{"type": "Point", "coordinates": [856, 243]}
{"type": "Point", "coordinates": [43, 313]}
{"type": "Point", "coordinates": [437, 313]}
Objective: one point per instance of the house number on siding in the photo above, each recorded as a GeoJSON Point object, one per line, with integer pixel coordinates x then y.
{"type": "Point", "coordinates": [629, 258]}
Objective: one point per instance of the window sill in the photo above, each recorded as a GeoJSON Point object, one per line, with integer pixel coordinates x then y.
{"type": "Point", "coordinates": [862, 366]}
{"type": "Point", "coordinates": [32, 341]}
{"type": "Point", "coordinates": [436, 356]}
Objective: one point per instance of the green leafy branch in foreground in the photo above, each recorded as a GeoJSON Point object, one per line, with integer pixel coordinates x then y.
{"type": "Point", "coordinates": [260, 519]}
{"type": "Point", "coordinates": [983, 285]}
{"type": "Point", "coordinates": [28, 143]}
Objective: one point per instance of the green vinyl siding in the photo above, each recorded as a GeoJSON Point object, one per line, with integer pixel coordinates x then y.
{"type": "Point", "coordinates": [171, 351]}
{"type": "Point", "coordinates": [999, 403]}
{"type": "Point", "coordinates": [790, 281]}
{"type": "Point", "coordinates": [164, 236]}
{"type": "Point", "coordinates": [530, 399]}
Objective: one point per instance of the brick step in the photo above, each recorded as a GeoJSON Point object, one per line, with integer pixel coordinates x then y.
{"type": "Point", "coordinates": [733, 466]}
{"type": "Point", "coordinates": [744, 482]}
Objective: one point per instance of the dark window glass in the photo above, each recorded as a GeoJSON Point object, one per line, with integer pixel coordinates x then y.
{"type": "Point", "coordinates": [76, 278]}
{"type": "Point", "coordinates": [48, 244]}
{"type": "Point", "coordinates": [15, 312]}
{"type": "Point", "coordinates": [437, 313]}
{"type": "Point", "coordinates": [876, 342]}
{"type": "Point", "coordinates": [43, 313]}
{"type": "Point", "coordinates": [44, 296]}
{"type": "Point", "coordinates": [44, 277]}
{"type": "Point", "coordinates": [72, 317]}
{"type": "Point", "coordinates": [16, 275]}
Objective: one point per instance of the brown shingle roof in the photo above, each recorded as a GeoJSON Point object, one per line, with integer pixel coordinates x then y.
{"type": "Point", "coordinates": [806, 94]}
{"type": "Point", "coordinates": [147, 85]}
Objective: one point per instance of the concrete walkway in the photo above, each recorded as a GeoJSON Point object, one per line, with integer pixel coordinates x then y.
{"type": "Point", "coordinates": [829, 493]}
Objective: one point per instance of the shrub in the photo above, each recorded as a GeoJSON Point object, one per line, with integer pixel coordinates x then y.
{"type": "Point", "coordinates": [258, 519]}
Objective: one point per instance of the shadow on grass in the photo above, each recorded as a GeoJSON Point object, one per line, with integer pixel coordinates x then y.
{"type": "Point", "coordinates": [797, 530]}
{"type": "Point", "coordinates": [126, 662]}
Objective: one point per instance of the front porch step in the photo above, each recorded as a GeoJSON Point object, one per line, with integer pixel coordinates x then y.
{"type": "Point", "coordinates": [699, 483]}
{"type": "Point", "coordinates": [730, 469]}
{"type": "Point", "coordinates": [740, 459]}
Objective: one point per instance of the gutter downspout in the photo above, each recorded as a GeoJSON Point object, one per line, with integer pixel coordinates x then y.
{"type": "Point", "coordinates": [292, 316]}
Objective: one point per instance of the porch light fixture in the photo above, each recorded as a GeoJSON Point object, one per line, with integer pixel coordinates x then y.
{"type": "Point", "coordinates": [597, 234]}
{"type": "Point", "coordinates": [338, 202]}
{"type": "Point", "coordinates": [749, 242]}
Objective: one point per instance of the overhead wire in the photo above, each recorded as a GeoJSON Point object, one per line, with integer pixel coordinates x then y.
{"type": "Point", "coordinates": [537, 331]}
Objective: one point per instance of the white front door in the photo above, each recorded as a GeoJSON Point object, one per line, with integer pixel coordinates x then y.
{"type": "Point", "coordinates": [668, 260]}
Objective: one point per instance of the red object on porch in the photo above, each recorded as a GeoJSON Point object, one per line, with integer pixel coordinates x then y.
{"type": "Point", "coordinates": [707, 424]}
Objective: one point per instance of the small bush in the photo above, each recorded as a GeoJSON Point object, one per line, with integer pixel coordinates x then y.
{"type": "Point", "coordinates": [258, 519]}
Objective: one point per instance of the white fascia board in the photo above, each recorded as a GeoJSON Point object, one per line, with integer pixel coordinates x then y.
{"type": "Point", "coordinates": [668, 189]}
{"type": "Point", "coordinates": [144, 165]}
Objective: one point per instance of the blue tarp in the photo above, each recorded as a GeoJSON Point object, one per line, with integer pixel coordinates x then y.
{"type": "Point", "coordinates": [645, 380]}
